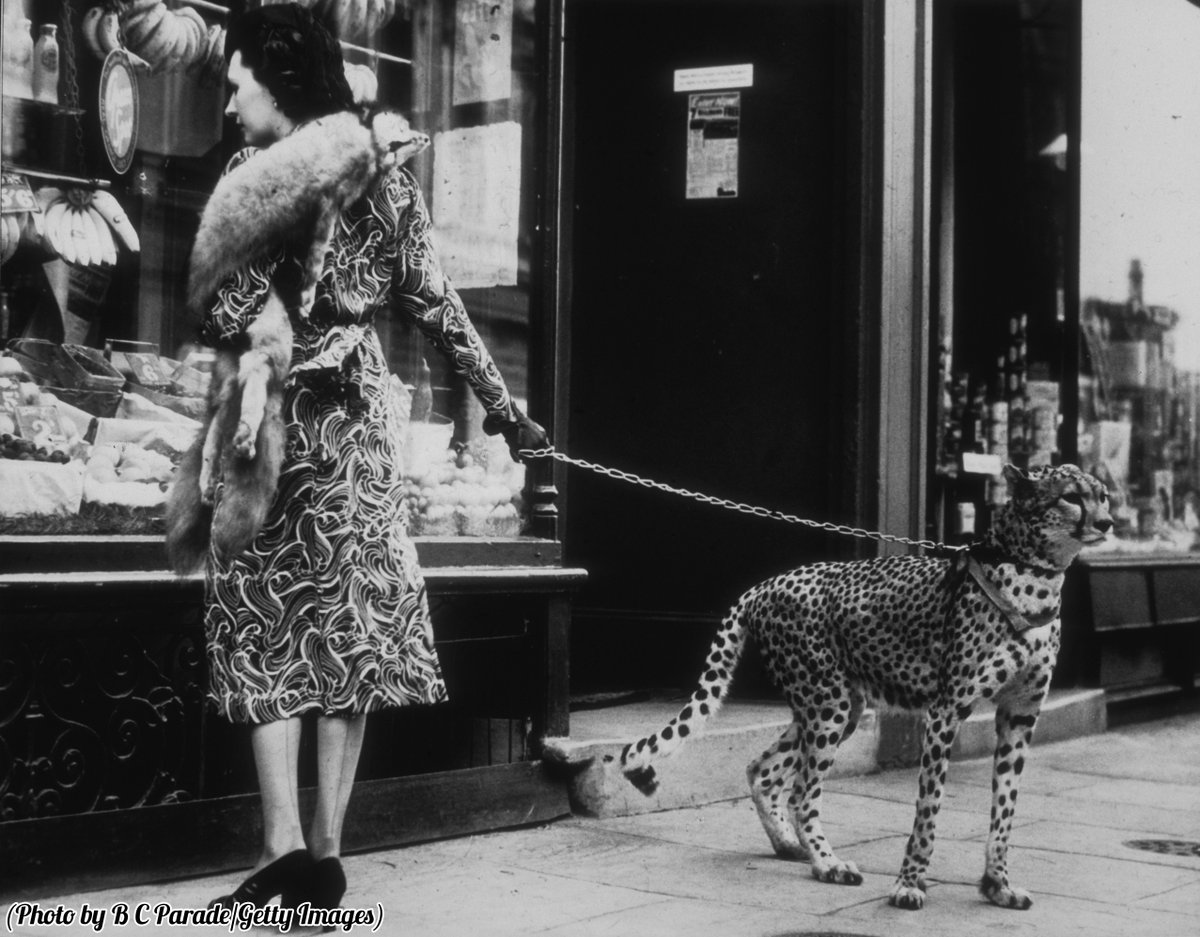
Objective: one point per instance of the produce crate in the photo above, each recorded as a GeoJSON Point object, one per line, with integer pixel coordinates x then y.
{"type": "Point", "coordinates": [102, 403]}
{"type": "Point", "coordinates": [101, 375]}
{"type": "Point", "coordinates": [120, 350]}
{"type": "Point", "coordinates": [189, 406]}
{"type": "Point", "coordinates": [187, 381]}
{"type": "Point", "coordinates": [148, 370]}
{"type": "Point", "coordinates": [44, 361]}
{"type": "Point", "coordinates": [65, 366]}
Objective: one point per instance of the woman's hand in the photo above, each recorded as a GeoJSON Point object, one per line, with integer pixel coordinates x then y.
{"type": "Point", "coordinates": [524, 434]}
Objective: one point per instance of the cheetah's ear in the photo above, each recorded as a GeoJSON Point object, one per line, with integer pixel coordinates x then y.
{"type": "Point", "coordinates": [1014, 475]}
{"type": "Point", "coordinates": [1020, 484]}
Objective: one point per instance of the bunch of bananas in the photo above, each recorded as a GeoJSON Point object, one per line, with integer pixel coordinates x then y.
{"type": "Point", "coordinates": [166, 40]}
{"type": "Point", "coordinates": [356, 20]}
{"type": "Point", "coordinates": [364, 85]}
{"type": "Point", "coordinates": [79, 225]}
{"type": "Point", "coordinates": [12, 228]}
{"type": "Point", "coordinates": [100, 30]}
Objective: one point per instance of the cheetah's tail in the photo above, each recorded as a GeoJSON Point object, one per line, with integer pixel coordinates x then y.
{"type": "Point", "coordinates": [723, 657]}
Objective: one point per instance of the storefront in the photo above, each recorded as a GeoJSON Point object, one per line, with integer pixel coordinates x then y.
{"type": "Point", "coordinates": [1067, 304]}
{"type": "Point", "coordinates": [108, 755]}
{"type": "Point", "coordinates": [923, 273]}
{"type": "Point", "coordinates": [838, 259]}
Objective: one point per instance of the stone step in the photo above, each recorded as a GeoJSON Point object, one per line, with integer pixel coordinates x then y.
{"type": "Point", "coordinates": [711, 767]}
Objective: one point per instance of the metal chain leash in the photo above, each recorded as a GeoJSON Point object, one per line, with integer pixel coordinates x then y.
{"type": "Point", "coordinates": [750, 509]}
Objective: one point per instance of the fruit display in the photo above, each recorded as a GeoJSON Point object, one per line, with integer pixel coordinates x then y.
{"type": "Point", "coordinates": [364, 85]}
{"type": "Point", "coordinates": [469, 490]}
{"type": "Point", "coordinates": [12, 229]}
{"type": "Point", "coordinates": [84, 226]}
{"type": "Point", "coordinates": [56, 459]}
{"type": "Point", "coordinates": [129, 462]}
{"type": "Point", "coordinates": [101, 33]}
{"type": "Point", "coordinates": [356, 19]}
{"type": "Point", "coordinates": [127, 475]}
{"type": "Point", "coordinates": [166, 40]}
{"type": "Point", "coordinates": [27, 450]}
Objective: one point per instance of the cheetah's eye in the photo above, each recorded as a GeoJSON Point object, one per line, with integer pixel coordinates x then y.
{"type": "Point", "coordinates": [1073, 497]}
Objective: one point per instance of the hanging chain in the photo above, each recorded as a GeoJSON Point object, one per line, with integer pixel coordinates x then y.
{"type": "Point", "coordinates": [71, 81]}
{"type": "Point", "coordinates": [753, 510]}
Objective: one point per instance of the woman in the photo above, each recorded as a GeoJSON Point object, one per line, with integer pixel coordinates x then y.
{"type": "Point", "coordinates": [326, 612]}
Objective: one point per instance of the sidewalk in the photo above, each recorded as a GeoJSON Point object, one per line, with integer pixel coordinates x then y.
{"type": "Point", "coordinates": [709, 870]}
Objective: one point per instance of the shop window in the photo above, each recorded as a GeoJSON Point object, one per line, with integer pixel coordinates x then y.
{"type": "Point", "coordinates": [100, 347]}
{"type": "Point", "coordinates": [1139, 384]}
{"type": "Point", "coordinates": [1002, 74]}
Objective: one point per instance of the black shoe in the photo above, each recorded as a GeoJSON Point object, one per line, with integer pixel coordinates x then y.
{"type": "Point", "coordinates": [327, 886]}
{"type": "Point", "coordinates": [273, 879]}
{"type": "Point", "coordinates": [328, 883]}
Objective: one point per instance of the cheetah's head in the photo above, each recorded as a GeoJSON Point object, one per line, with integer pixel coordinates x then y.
{"type": "Point", "coordinates": [1054, 512]}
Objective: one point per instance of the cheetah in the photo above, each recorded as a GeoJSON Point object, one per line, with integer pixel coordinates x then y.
{"type": "Point", "coordinates": [923, 633]}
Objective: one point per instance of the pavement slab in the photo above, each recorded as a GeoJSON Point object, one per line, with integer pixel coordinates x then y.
{"type": "Point", "coordinates": [709, 869]}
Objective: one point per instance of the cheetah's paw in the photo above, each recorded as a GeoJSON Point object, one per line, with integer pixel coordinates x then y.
{"type": "Point", "coordinates": [908, 897]}
{"type": "Point", "coordinates": [793, 852]}
{"type": "Point", "coordinates": [1001, 893]}
{"type": "Point", "coordinates": [838, 873]}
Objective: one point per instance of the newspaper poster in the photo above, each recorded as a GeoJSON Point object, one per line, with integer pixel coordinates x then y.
{"type": "Point", "coordinates": [712, 145]}
{"type": "Point", "coordinates": [477, 203]}
{"type": "Point", "coordinates": [482, 51]}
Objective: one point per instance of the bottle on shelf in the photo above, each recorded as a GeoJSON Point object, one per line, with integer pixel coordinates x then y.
{"type": "Point", "coordinates": [998, 413]}
{"type": "Point", "coordinates": [975, 421]}
{"type": "Point", "coordinates": [1017, 392]}
{"type": "Point", "coordinates": [959, 399]}
{"type": "Point", "coordinates": [18, 58]}
{"type": "Point", "coordinates": [46, 64]}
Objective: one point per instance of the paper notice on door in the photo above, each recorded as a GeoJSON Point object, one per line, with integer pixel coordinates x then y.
{"type": "Point", "coordinates": [482, 50]}
{"type": "Point", "coordinates": [712, 145]}
{"type": "Point", "coordinates": [477, 203]}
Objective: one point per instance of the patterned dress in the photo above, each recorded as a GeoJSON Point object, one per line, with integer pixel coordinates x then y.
{"type": "Point", "coordinates": [327, 610]}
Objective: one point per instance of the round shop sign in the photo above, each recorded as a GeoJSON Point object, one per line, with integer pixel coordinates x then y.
{"type": "Point", "coordinates": [118, 109]}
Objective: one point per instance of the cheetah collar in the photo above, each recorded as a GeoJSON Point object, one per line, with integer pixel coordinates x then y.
{"type": "Point", "coordinates": [1020, 622]}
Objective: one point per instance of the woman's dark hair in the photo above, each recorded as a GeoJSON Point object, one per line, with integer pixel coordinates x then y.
{"type": "Point", "coordinates": [296, 58]}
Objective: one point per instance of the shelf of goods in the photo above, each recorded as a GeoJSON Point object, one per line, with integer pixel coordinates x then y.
{"type": "Point", "coordinates": [82, 433]}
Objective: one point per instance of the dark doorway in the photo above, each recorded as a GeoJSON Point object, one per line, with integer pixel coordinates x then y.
{"type": "Point", "coordinates": [714, 340]}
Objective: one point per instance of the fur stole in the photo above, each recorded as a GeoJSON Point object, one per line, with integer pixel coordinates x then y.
{"type": "Point", "coordinates": [288, 196]}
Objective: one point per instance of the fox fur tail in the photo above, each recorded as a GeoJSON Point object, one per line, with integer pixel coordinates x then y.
{"type": "Point", "coordinates": [723, 657]}
{"type": "Point", "coordinates": [193, 525]}
{"type": "Point", "coordinates": [188, 517]}
{"type": "Point", "coordinates": [249, 485]}
{"type": "Point", "coordinates": [242, 487]}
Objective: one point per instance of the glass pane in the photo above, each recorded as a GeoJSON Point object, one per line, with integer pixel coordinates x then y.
{"type": "Point", "coordinates": [1139, 275]}
{"type": "Point", "coordinates": [474, 91]}
{"type": "Point", "coordinates": [466, 73]}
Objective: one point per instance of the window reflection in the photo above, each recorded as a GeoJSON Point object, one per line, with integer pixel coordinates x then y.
{"type": "Point", "coordinates": [1140, 266]}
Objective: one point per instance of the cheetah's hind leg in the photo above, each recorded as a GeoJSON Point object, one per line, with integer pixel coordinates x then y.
{"type": "Point", "coordinates": [771, 778]}
{"type": "Point", "coordinates": [824, 721]}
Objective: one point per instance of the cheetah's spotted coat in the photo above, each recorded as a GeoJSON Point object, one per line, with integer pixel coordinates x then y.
{"type": "Point", "coordinates": [917, 632]}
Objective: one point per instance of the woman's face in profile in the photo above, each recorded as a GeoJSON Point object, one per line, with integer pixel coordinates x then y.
{"type": "Point", "coordinates": [251, 103]}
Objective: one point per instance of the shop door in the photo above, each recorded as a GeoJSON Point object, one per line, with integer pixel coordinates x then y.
{"type": "Point", "coordinates": [712, 347]}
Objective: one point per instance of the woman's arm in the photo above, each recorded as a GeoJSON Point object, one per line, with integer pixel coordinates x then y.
{"type": "Point", "coordinates": [420, 290]}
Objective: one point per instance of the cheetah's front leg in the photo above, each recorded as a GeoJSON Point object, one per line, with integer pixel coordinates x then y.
{"type": "Point", "coordinates": [1014, 731]}
{"type": "Point", "coordinates": [941, 728]}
